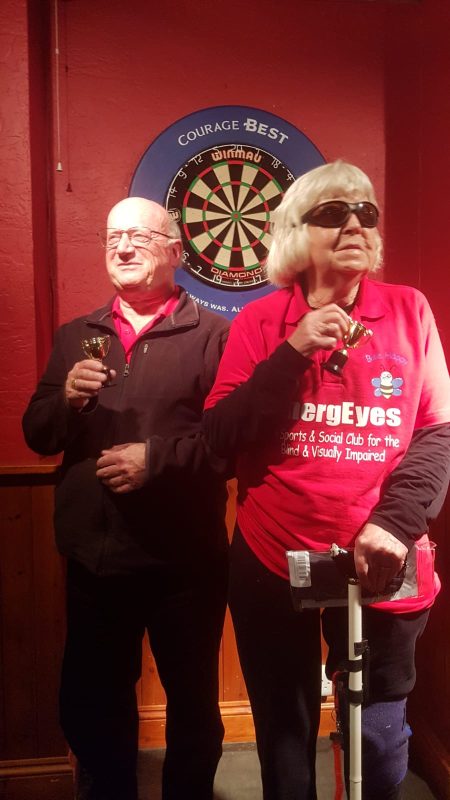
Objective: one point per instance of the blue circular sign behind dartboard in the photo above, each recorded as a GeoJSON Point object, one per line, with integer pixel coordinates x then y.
{"type": "Point", "coordinates": [221, 172]}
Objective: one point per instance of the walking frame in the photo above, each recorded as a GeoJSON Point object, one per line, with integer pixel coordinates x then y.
{"type": "Point", "coordinates": [356, 647]}
{"type": "Point", "coordinates": [320, 579]}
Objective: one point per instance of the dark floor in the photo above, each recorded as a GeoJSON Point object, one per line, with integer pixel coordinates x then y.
{"type": "Point", "coordinates": [238, 775]}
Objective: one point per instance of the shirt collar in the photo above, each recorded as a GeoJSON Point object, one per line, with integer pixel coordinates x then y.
{"type": "Point", "coordinates": [164, 310]}
{"type": "Point", "coordinates": [369, 304]}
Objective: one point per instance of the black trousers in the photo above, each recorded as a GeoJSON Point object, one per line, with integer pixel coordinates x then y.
{"type": "Point", "coordinates": [107, 617]}
{"type": "Point", "coordinates": [280, 654]}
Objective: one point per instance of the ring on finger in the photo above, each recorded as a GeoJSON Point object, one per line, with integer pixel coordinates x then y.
{"type": "Point", "coordinates": [74, 383]}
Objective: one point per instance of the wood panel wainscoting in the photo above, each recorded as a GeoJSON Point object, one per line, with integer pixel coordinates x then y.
{"type": "Point", "coordinates": [33, 753]}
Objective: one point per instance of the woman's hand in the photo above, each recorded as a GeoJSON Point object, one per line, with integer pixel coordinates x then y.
{"type": "Point", "coordinates": [379, 557]}
{"type": "Point", "coordinates": [320, 329]}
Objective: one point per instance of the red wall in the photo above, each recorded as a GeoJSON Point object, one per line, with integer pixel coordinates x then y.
{"type": "Point", "coordinates": [133, 72]}
{"type": "Point", "coordinates": [17, 317]}
{"type": "Point", "coordinates": [362, 79]}
{"type": "Point", "coordinates": [417, 121]}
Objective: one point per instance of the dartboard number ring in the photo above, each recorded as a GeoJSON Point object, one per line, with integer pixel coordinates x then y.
{"type": "Point", "coordinates": [223, 199]}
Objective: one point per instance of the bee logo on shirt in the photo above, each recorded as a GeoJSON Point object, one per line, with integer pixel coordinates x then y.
{"type": "Point", "coordinates": [386, 385]}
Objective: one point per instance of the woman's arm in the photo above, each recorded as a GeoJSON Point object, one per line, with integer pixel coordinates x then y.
{"type": "Point", "coordinates": [415, 490]}
{"type": "Point", "coordinates": [252, 392]}
{"type": "Point", "coordinates": [246, 415]}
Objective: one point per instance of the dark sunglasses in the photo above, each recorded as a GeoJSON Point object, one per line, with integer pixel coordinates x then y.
{"type": "Point", "coordinates": [335, 213]}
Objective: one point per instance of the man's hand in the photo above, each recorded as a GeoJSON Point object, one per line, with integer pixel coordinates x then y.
{"type": "Point", "coordinates": [379, 557]}
{"type": "Point", "coordinates": [320, 329]}
{"type": "Point", "coordinates": [123, 468]}
{"type": "Point", "coordinates": [85, 380]}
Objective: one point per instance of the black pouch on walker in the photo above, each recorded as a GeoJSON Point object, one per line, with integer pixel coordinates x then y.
{"type": "Point", "coordinates": [320, 579]}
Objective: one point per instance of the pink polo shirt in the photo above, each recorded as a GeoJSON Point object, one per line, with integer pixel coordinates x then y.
{"type": "Point", "coordinates": [322, 478]}
{"type": "Point", "coordinates": [125, 330]}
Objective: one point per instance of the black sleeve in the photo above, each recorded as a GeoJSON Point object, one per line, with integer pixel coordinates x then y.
{"type": "Point", "coordinates": [415, 490]}
{"type": "Point", "coordinates": [243, 418]}
{"type": "Point", "coordinates": [192, 455]}
{"type": "Point", "coordinates": [48, 418]}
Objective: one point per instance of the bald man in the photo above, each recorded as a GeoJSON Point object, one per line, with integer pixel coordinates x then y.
{"type": "Point", "coordinates": [139, 513]}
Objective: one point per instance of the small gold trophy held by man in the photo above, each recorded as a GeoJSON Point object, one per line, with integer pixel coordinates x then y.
{"type": "Point", "coordinates": [97, 347]}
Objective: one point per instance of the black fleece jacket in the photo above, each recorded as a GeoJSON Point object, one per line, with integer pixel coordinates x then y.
{"type": "Point", "coordinates": [178, 515]}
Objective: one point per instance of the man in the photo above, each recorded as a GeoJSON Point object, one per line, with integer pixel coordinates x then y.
{"type": "Point", "coordinates": [139, 513]}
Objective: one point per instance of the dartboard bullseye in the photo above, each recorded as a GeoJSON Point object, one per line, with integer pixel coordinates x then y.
{"type": "Point", "coordinates": [223, 199]}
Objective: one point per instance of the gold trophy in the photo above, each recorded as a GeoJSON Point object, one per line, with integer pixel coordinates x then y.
{"type": "Point", "coordinates": [356, 335]}
{"type": "Point", "coordinates": [97, 347]}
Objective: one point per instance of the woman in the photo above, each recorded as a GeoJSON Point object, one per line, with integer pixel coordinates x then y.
{"type": "Point", "coordinates": [357, 458]}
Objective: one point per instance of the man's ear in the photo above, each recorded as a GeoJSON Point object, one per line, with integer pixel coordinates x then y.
{"type": "Point", "coordinates": [177, 249]}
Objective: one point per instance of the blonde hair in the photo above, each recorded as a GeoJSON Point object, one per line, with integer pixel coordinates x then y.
{"type": "Point", "coordinates": [289, 249]}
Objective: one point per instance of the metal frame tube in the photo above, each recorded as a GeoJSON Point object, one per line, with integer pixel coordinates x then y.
{"type": "Point", "coordinates": [355, 684]}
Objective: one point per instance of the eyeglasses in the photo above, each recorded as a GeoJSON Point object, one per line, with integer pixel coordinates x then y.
{"type": "Point", "coordinates": [138, 237]}
{"type": "Point", "coordinates": [335, 213]}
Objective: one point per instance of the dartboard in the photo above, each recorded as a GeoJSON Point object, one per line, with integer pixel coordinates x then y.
{"type": "Point", "coordinates": [223, 199]}
{"type": "Point", "coordinates": [221, 172]}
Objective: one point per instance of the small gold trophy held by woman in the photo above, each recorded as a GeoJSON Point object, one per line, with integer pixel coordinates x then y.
{"type": "Point", "coordinates": [356, 335]}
